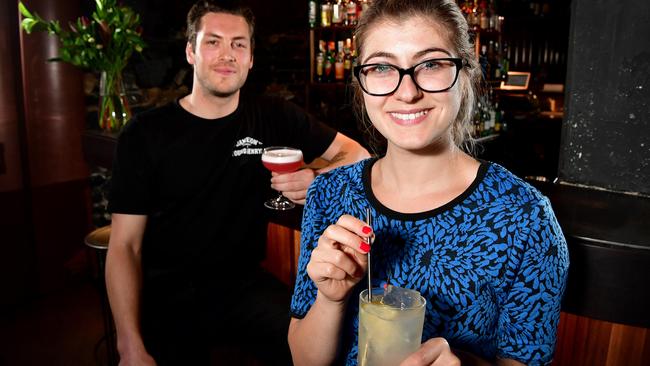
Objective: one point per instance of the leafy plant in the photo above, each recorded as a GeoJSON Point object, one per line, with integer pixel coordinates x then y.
{"type": "Point", "coordinates": [103, 43]}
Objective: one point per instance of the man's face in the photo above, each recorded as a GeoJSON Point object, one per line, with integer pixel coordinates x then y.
{"type": "Point", "coordinates": [222, 55]}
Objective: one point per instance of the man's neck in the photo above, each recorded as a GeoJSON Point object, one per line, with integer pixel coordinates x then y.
{"type": "Point", "coordinates": [209, 106]}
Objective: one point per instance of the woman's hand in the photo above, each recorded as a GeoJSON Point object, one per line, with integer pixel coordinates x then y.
{"type": "Point", "coordinates": [339, 261]}
{"type": "Point", "coordinates": [434, 352]}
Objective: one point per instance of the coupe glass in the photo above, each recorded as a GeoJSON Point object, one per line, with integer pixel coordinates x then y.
{"type": "Point", "coordinates": [281, 159]}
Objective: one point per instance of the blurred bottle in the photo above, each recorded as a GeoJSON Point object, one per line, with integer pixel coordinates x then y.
{"type": "Point", "coordinates": [313, 13]}
{"type": "Point", "coordinates": [339, 67]}
{"type": "Point", "coordinates": [352, 12]}
{"type": "Point", "coordinates": [329, 62]}
{"type": "Point", "coordinates": [326, 14]}
{"type": "Point", "coordinates": [347, 60]}
{"type": "Point", "coordinates": [320, 62]}
{"type": "Point", "coordinates": [338, 12]}
{"type": "Point", "coordinates": [484, 20]}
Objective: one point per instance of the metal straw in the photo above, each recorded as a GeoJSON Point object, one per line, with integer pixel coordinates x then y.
{"type": "Point", "coordinates": [368, 240]}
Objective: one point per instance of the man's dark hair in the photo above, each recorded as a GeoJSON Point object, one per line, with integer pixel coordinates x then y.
{"type": "Point", "coordinates": [202, 7]}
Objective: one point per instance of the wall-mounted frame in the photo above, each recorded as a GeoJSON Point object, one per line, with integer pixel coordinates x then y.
{"type": "Point", "coordinates": [517, 80]}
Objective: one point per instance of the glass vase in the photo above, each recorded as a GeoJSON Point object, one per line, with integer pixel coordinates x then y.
{"type": "Point", "coordinates": [114, 109]}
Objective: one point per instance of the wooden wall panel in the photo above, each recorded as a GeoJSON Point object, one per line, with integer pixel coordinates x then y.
{"type": "Point", "coordinates": [590, 342]}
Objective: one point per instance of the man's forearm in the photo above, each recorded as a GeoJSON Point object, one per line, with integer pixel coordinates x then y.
{"type": "Point", "coordinates": [343, 151]}
{"type": "Point", "coordinates": [123, 283]}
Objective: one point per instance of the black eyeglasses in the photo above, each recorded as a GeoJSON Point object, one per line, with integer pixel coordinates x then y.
{"type": "Point", "coordinates": [432, 76]}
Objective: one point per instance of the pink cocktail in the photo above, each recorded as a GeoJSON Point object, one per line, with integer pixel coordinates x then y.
{"type": "Point", "coordinates": [280, 159]}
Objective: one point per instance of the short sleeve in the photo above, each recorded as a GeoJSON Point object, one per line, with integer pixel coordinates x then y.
{"type": "Point", "coordinates": [312, 136]}
{"type": "Point", "coordinates": [130, 191]}
{"type": "Point", "coordinates": [313, 225]}
{"type": "Point", "coordinates": [530, 314]}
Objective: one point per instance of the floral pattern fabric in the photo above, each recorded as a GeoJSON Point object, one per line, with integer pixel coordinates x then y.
{"type": "Point", "coordinates": [492, 263]}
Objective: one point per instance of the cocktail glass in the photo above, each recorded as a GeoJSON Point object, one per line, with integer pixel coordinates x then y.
{"type": "Point", "coordinates": [389, 333]}
{"type": "Point", "coordinates": [281, 159]}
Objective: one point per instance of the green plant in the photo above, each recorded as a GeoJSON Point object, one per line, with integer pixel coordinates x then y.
{"type": "Point", "coordinates": [103, 43]}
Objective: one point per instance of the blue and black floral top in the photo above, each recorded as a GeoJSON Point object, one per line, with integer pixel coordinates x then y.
{"type": "Point", "coordinates": [492, 263]}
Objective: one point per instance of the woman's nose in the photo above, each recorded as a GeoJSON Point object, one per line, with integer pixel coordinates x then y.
{"type": "Point", "coordinates": [407, 90]}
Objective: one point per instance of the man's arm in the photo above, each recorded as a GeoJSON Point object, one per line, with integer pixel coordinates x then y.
{"type": "Point", "coordinates": [123, 283]}
{"type": "Point", "coordinates": [342, 151]}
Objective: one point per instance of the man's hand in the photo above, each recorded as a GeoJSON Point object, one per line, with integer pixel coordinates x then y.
{"type": "Point", "coordinates": [293, 185]}
{"type": "Point", "coordinates": [136, 357]}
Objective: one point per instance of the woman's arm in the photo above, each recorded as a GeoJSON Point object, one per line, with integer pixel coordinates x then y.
{"type": "Point", "coordinates": [336, 265]}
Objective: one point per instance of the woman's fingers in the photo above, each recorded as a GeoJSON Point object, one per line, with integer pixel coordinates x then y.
{"type": "Point", "coordinates": [336, 263]}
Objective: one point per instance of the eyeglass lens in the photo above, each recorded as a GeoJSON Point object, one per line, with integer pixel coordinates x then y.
{"type": "Point", "coordinates": [431, 76]}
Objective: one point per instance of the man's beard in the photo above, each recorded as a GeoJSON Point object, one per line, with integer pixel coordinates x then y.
{"type": "Point", "coordinates": [207, 85]}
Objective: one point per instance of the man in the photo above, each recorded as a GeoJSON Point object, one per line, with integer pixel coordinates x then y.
{"type": "Point", "coordinates": [188, 227]}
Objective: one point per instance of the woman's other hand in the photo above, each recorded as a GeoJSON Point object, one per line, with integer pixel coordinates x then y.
{"type": "Point", "coordinates": [434, 352]}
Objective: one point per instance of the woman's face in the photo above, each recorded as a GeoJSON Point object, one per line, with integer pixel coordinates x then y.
{"type": "Point", "coordinates": [411, 119]}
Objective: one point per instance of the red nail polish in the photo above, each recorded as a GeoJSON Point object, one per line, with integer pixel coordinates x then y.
{"type": "Point", "coordinates": [364, 247]}
{"type": "Point", "coordinates": [366, 230]}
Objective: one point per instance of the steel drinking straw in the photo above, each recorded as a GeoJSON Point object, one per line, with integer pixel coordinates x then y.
{"type": "Point", "coordinates": [369, 223]}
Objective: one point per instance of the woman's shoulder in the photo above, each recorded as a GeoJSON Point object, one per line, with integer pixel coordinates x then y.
{"type": "Point", "coordinates": [504, 185]}
{"type": "Point", "coordinates": [341, 175]}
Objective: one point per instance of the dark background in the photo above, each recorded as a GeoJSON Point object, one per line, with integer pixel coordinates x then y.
{"type": "Point", "coordinates": [606, 132]}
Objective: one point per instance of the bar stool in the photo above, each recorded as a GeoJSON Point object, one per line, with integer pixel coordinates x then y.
{"type": "Point", "coordinates": [98, 241]}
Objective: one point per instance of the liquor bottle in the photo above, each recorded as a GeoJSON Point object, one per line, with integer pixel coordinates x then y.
{"type": "Point", "coordinates": [339, 67]}
{"type": "Point", "coordinates": [326, 14]}
{"type": "Point", "coordinates": [484, 20]}
{"type": "Point", "coordinates": [473, 19]}
{"type": "Point", "coordinates": [320, 62]}
{"type": "Point", "coordinates": [338, 12]}
{"type": "Point", "coordinates": [494, 17]}
{"type": "Point", "coordinates": [329, 61]}
{"type": "Point", "coordinates": [363, 6]}
{"type": "Point", "coordinates": [505, 62]}
{"type": "Point", "coordinates": [313, 11]}
{"type": "Point", "coordinates": [347, 60]}
{"type": "Point", "coordinates": [352, 12]}
{"type": "Point", "coordinates": [497, 118]}
{"type": "Point", "coordinates": [492, 60]}
{"type": "Point", "coordinates": [477, 120]}
{"type": "Point", "coordinates": [483, 61]}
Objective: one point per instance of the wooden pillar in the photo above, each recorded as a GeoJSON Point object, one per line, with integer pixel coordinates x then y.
{"type": "Point", "coordinates": [44, 213]}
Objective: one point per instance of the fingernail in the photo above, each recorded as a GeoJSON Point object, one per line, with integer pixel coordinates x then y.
{"type": "Point", "coordinates": [366, 229]}
{"type": "Point", "coordinates": [364, 247]}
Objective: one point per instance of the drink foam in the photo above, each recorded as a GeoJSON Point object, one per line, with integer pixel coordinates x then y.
{"type": "Point", "coordinates": [282, 156]}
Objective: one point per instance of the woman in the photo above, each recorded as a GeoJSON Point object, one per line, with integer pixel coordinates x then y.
{"type": "Point", "coordinates": [482, 246]}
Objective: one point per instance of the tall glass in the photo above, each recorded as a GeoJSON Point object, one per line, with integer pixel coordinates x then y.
{"type": "Point", "coordinates": [281, 159]}
{"type": "Point", "coordinates": [388, 334]}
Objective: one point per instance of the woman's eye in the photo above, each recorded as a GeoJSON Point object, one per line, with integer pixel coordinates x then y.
{"type": "Point", "coordinates": [431, 65]}
{"type": "Point", "coordinates": [380, 69]}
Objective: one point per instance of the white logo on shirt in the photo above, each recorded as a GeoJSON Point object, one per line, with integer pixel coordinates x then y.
{"type": "Point", "coordinates": [246, 145]}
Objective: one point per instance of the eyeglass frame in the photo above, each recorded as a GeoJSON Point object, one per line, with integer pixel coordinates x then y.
{"type": "Point", "coordinates": [459, 62]}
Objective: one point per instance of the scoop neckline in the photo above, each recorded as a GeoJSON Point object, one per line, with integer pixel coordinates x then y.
{"type": "Point", "coordinates": [415, 216]}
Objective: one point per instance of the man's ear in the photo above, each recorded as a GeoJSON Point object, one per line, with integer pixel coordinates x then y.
{"type": "Point", "coordinates": [189, 53]}
{"type": "Point", "coordinates": [251, 66]}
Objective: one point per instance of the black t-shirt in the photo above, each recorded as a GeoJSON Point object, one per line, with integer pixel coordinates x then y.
{"type": "Point", "coordinates": [202, 184]}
